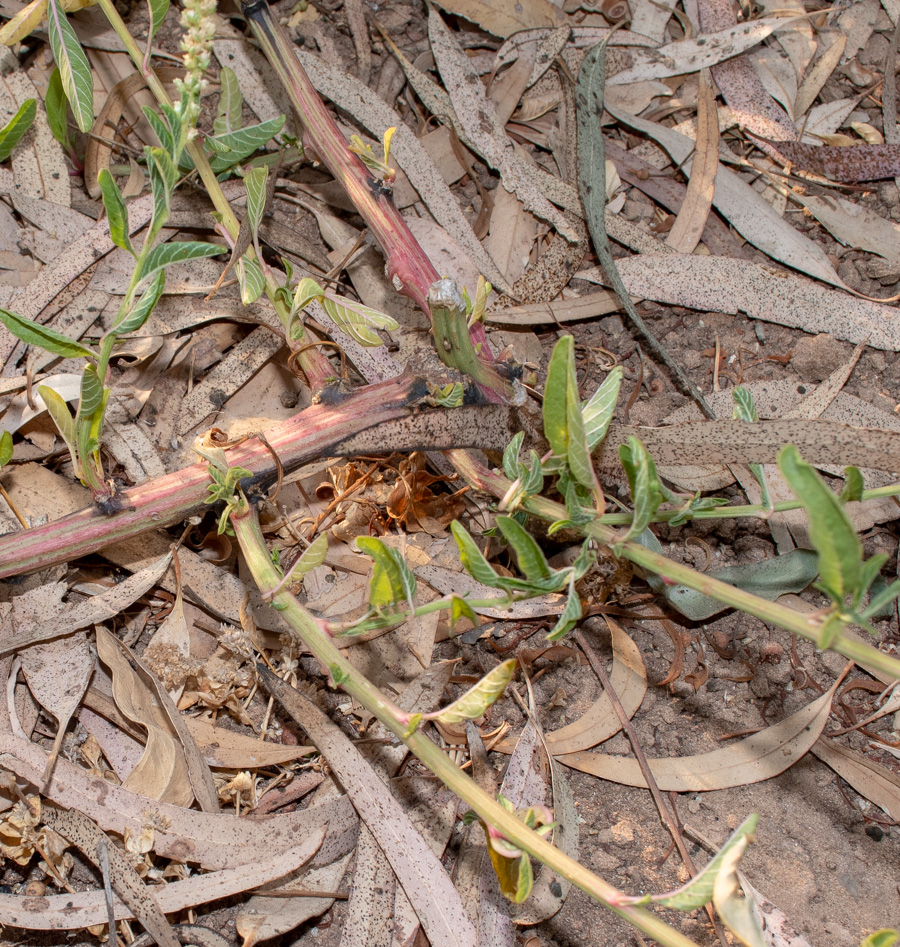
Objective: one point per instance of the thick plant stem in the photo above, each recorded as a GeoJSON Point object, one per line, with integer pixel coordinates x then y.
{"type": "Point", "coordinates": [407, 266]}
{"type": "Point", "coordinates": [808, 626]}
{"type": "Point", "coordinates": [313, 433]}
{"type": "Point", "coordinates": [311, 634]}
{"type": "Point", "coordinates": [316, 366]}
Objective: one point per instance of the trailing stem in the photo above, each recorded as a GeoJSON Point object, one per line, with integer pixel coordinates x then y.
{"type": "Point", "coordinates": [314, 637]}
{"type": "Point", "coordinates": [808, 626]}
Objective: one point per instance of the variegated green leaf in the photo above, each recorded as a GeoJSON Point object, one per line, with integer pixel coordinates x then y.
{"type": "Point", "coordinates": [116, 211]}
{"type": "Point", "coordinates": [735, 910]}
{"type": "Point", "coordinates": [530, 557]}
{"type": "Point", "coordinates": [228, 117]}
{"type": "Point", "coordinates": [251, 278]}
{"type": "Point", "coordinates": [478, 698]}
{"type": "Point", "coordinates": [32, 333]}
{"type": "Point", "coordinates": [392, 580]}
{"type": "Point", "coordinates": [643, 479]}
{"type": "Point", "coordinates": [233, 147]}
{"type": "Point", "coordinates": [699, 890]}
{"type": "Point", "coordinates": [11, 133]}
{"type": "Point", "coordinates": [163, 176]}
{"type": "Point", "coordinates": [6, 448]}
{"type": "Point", "coordinates": [91, 393]}
{"type": "Point", "coordinates": [168, 253]}
{"type": "Point", "coordinates": [56, 107]}
{"type": "Point", "coordinates": [74, 69]}
{"type": "Point", "coordinates": [599, 409]}
{"type": "Point", "coordinates": [473, 559]}
{"type": "Point", "coordinates": [358, 321]}
{"type": "Point", "coordinates": [141, 310]}
{"type": "Point", "coordinates": [307, 290]}
{"type": "Point", "coordinates": [62, 416]}
{"type": "Point", "coordinates": [255, 181]}
{"type": "Point", "coordinates": [570, 616]}
{"type": "Point", "coordinates": [313, 556]}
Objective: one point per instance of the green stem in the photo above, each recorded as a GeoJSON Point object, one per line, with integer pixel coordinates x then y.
{"type": "Point", "coordinates": [808, 626]}
{"type": "Point", "coordinates": [315, 639]}
{"type": "Point", "coordinates": [733, 512]}
{"type": "Point", "coordinates": [316, 366]}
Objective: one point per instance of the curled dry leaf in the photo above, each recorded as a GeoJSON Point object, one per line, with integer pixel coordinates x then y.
{"type": "Point", "coordinates": [761, 756]}
{"type": "Point", "coordinates": [600, 721]}
{"type": "Point", "coordinates": [162, 771]}
{"type": "Point", "coordinates": [84, 909]}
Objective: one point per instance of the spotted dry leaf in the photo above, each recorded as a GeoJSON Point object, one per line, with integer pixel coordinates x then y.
{"type": "Point", "coordinates": [848, 165]}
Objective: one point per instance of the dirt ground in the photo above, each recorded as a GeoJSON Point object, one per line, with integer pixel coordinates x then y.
{"type": "Point", "coordinates": [824, 855]}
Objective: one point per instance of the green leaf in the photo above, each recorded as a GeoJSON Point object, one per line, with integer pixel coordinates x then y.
{"type": "Point", "coordinates": [556, 417]}
{"type": "Point", "coordinates": [392, 580]}
{"type": "Point", "coordinates": [158, 11]}
{"type": "Point", "coordinates": [116, 211]}
{"type": "Point", "coordinates": [228, 116]}
{"type": "Point", "coordinates": [11, 134]}
{"type": "Point", "coordinates": [56, 107]}
{"type": "Point", "coordinates": [338, 675]}
{"type": "Point", "coordinates": [735, 910]}
{"type": "Point", "coordinates": [162, 130]}
{"type": "Point", "coordinates": [646, 493]}
{"type": "Point", "coordinates": [768, 578]}
{"type": "Point", "coordinates": [255, 181]}
{"type": "Point", "coordinates": [699, 890]}
{"type": "Point", "coordinates": [853, 485]}
{"type": "Point", "coordinates": [233, 147]}
{"type": "Point", "coordinates": [74, 69]}
{"type": "Point", "coordinates": [511, 456]}
{"type": "Point", "coordinates": [460, 608]}
{"type": "Point", "coordinates": [43, 336]}
{"type": "Point", "coordinates": [168, 253]}
{"type": "Point", "coordinates": [514, 874]}
{"type": "Point", "coordinates": [6, 448]}
{"type": "Point", "coordinates": [478, 698]}
{"type": "Point", "coordinates": [882, 938]}
{"type": "Point", "coordinates": [598, 411]}
{"type": "Point", "coordinates": [141, 310]}
{"type": "Point", "coordinates": [251, 278]}
{"type": "Point", "coordinates": [307, 290]}
{"type": "Point", "coordinates": [313, 556]}
{"type": "Point", "coordinates": [163, 176]}
{"type": "Point", "coordinates": [878, 602]}
{"type": "Point", "coordinates": [473, 559]}
{"type": "Point", "coordinates": [744, 406]}
{"type": "Point", "coordinates": [62, 416]}
{"type": "Point", "coordinates": [830, 531]}
{"type": "Point", "coordinates": [531, 559]}
{"type": "Point", "coordinates": [570, 616]}
{"type": "Point", "coordinates": [358, 321]}
{"type": "Point", "coordinates": [91, 393]}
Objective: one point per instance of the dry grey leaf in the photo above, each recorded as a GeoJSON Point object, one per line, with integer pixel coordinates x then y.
{"type": "Point", "coordinates": [776, 72]}
{"type": "Point", "coordinates": [476, 115]}
{"type": "Point", "coordinates": [96, 609]}
{"type": "Point", "coordinates": [819, 75]}
{"type": "Point", "coordinates": [503, 17]}
{"type": "Point", "coordinates": [212, 840]}
{"type": "Point", "coordinates": [853, 224]}
{"type": "Point", "coordinates": [848, 165]}
{"type": "Point", "coordinates": [715, 284]}
{"type": "Point", "coordinates": [750, 214]}
{"type": "Point", "coordinates": [877, 783]}
{"type": "Point", "coordinates": [758, 757]}
{"type": "Point", "coordinates": [687, 56]}
{"type": "Point", "coordinates": [426, 883]}
{"type": "Point", "coordinates": [140, 899]}
{"type": "Point", "coordinates": [84, 909]}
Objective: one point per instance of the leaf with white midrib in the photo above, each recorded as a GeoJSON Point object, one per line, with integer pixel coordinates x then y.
{"type": "Point", "coordinates": [74, 68]}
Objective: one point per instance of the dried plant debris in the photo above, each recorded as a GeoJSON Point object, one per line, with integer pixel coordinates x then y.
{"type": "Point", "coordinates": [280, 574]}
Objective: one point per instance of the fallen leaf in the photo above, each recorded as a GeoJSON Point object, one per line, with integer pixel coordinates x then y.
{"type": "Point", "coordinates": [600, 721]}
{"type": "Point", "coordinates": [876, 783]}
{"type": "Point", "coordinates": [426, 883]}
{"type": "Point", "coordinates": [212, 840]}
{"type": "Point", "coordinates": [821, 71]}
{"type": "Point", "coordinates": [758, 757]}
{"type": "Point", "coordinates": [847, 165]}
{"type": "Point", "coordinates": [503, 17]}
